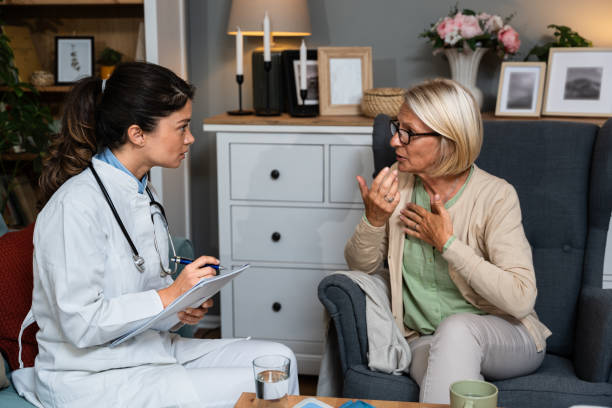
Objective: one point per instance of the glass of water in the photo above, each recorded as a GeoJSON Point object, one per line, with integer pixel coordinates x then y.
{"type": "Point", "coordinates": [272, 378]}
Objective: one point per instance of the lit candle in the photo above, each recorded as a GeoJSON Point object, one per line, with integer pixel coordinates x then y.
{"type": "Point", "coordinates": [303, 66]}
{"type": "Point", "coordinates": [239, 70]}
{"type": "Point", "coordinates": [266, 38]}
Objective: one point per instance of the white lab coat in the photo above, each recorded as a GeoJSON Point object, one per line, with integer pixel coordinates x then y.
{"type": "Point", "coordinates": [87, 292]}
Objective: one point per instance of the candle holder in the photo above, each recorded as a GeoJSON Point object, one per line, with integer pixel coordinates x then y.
{"type": "Point", "coordinates": [303, 95]}
{"type": "Point", "coordinates": [240, 112]}
{"type": "Point", "coordinates": [267, 111]}
{"type": "Point", "coordinates": [305, 107]}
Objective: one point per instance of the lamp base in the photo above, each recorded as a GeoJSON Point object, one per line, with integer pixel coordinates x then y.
{"type": "Point", "coordinates": [240, 112]}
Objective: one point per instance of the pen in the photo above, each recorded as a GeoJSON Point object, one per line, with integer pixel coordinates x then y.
{"type": "Point", "coordinates": [186, 261]}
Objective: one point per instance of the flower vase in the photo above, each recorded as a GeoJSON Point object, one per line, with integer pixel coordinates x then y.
{"type": "Point", "coordinates": [464, 68]}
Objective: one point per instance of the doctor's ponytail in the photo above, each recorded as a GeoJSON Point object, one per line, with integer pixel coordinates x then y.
{"type": "Point", "coordinates": [137, 93]}
{"type": "Point", "coordinates": [72, 149]}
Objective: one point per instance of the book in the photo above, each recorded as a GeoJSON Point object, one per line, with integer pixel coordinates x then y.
{"type": "Point", "coordinates": [194, 297]}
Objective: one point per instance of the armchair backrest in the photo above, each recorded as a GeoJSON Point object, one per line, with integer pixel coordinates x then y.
{"type": "Point", "coordinates": [549, 164]}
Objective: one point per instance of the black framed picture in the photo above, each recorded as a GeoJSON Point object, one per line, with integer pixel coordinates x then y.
{"type": "Point", "coordinates": [74, 59]}
{"type": "Point", "coordinates": [291, 62]}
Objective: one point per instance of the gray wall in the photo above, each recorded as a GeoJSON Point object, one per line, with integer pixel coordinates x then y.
{"type": "Point", "coordinates": [400, 58]}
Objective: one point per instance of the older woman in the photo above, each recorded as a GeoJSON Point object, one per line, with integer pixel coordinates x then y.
{"type": "Point", "coordinates": [461, 271]}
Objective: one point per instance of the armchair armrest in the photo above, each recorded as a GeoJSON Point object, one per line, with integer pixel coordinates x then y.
{"type": "Point", "coordinates": [593, 345]}
{"type": "Point", "coordinates": [345, 303]}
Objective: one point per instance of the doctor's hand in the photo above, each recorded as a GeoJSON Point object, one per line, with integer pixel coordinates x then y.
{"type": "Point", "coordinates": [190, 275]}
{"type": "Point", "coordinates": [194, 315]}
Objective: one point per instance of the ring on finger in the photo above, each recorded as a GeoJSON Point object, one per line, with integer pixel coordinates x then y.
{"type": "Point", "coordinates": [389, 199]}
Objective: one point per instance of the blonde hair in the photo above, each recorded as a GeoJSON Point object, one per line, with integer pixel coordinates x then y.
{"type": "Point", "coordinates": [449, 108]}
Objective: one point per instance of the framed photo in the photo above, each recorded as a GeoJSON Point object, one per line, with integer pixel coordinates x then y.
{"type": "Point", "coordinates": [520, 89]}
{"type": "Point", "coordinates": [579, 82]}
{"type": "Point", "coordinates": [344, 73]}
{"type": "Point", "coordinates": [74, 59]}
{"type": "Point", "coordinates": [291, 70]}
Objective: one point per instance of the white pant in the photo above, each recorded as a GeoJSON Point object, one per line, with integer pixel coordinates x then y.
{"type": "Point", "coordinates": [220, 376]}
{"type": "Point", "coordinates": [468, 346]}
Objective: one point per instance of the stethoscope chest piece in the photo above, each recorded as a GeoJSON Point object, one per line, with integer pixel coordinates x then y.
{"type": "Point", "coordinates": [139, 262]}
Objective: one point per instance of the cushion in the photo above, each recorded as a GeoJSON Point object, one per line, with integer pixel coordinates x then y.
{"type": "Point", "coordinates": [16, 249]}
{"type": "Point", "coordinates": [548, 163]}
{"type": "Point", "coordinates": [553, 385]}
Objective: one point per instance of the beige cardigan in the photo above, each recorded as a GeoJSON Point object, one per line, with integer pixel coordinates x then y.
{"type": "Point", "coordinates": [490, 261]}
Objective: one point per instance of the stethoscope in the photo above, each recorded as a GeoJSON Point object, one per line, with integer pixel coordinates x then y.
{"type": "Point", "coordinates": [139, 261]}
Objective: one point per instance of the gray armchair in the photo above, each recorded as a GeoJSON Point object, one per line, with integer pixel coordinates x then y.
{"type": "Point", "coordinates": [562, 172]}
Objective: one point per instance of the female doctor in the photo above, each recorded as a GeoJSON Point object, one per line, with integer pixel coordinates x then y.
{"type": "Point", "coordinates": [94, 282]}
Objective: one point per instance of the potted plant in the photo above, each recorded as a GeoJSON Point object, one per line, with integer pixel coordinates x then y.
{"type": "Point", "coordinates": [25, 124]}
{"type": "Point", "coordinates": [564, 37]}
{"type": "Point", "coordinates": [464, 36]}
{"type": "Point", "coordinates": [108, 60]}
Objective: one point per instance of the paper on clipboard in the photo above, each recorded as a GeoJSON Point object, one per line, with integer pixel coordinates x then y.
{"type": "Point", "coordinates": [194, 297]}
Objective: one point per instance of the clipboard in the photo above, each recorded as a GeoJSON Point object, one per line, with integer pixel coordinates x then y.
{"type": "Point", "coordinates": [194, 297]}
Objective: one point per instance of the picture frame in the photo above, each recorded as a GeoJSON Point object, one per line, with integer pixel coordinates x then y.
{"type": "Point", "coordinates": [74, 59]}
{"type": "Point", "coordinates": [344, 73]}
{"type": "Point", "coordinates": [579, 82]}
{"type": "Point", "coordinates": [520, 90]}
{"type": "Point", "coordinates": [291, 72]}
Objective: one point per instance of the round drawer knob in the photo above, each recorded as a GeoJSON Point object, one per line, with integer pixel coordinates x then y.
{"type": "Point", "coordinates": [274, 174]}
{"type": "Point", "coordinates": [276, 236]}
{"type": "Point", "coordinates": [276, 307]}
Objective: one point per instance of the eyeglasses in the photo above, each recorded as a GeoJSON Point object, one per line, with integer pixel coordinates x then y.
{"type": "Point", "coordinates": [160, 215]}
{"type": "Point", "coordinates": [406, 134]}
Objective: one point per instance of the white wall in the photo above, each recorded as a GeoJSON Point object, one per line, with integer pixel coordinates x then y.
{"type": "Point", "coordinates": [166, 44]}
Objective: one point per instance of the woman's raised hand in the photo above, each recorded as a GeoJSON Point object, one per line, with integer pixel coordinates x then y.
{"type": "Point", "coordinates": [190, 275]}
{"type": "Point", "coordinates": [381, 199]}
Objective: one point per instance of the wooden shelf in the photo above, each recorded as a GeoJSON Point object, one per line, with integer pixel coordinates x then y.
{"type": "Point", "coordinates": [593, 120]}
{"type": "Point", "coordinates": [286, 120]}
{"type": "Point", "coordinates": [18, 156]}
{"type": "Point", "coordinates": [46, 89]}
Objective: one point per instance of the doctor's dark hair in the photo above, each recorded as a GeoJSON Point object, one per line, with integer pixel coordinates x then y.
{"type": "Point", "coordinates": [137, 93]}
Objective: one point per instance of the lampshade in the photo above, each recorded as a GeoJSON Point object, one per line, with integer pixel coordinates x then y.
{"type": "Point", "coordinates": [288, 18]}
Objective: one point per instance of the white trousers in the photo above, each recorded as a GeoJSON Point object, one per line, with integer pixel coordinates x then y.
{"type": "Point", "coordinates": [468, 346]}
{"type": "Point", "coordinates": [219, 377]}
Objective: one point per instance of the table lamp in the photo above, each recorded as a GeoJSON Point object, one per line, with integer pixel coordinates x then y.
{"type": "Point", "coordinates": [285, 18]}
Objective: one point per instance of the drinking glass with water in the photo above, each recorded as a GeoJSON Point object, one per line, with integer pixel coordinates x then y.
{"type": "Point", "coordinates": [272, 378]}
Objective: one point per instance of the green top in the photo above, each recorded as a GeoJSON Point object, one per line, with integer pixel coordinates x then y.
{"type": "Point", "coordinates": [429, 293]}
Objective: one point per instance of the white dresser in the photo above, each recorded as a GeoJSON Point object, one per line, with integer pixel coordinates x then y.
{"type": "Point", "coordinates": [288, 202]}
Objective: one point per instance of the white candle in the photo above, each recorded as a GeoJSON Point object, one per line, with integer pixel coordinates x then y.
{"type": "Point", "coordinates": [266, 38]}
{"type": "Point", "coordinates": [303, 66]}
{"type": "Point", "coordinates": [239, 68]}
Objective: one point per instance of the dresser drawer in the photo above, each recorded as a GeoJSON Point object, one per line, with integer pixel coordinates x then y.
{"type": "Point", "coordinates": [292, 234]}
{"type": "Point", "coordinates": [276, 172]}
{"type": "Point", "coordinates": [345, 163]}
{"type": "Point", "coordinates": [275, 303]}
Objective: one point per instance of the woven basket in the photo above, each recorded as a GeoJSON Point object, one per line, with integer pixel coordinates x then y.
{"type": "Point", "coordinates": [382, 100]}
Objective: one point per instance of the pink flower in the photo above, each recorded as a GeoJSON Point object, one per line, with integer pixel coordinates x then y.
{"type": "Point", "coordinates": [484, 16]}
{"type": "Point", "coordinates": [446, 27]}
{"type": "Point", "coordinates": [509, 38]}
{"type": "Point", "coordinates": [468, 26]}
{"type": "Point", "coordinates": [493, 24]}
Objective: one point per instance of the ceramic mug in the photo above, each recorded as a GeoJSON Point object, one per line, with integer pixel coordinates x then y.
{"type": "Point", "coordinates": [473, 394]}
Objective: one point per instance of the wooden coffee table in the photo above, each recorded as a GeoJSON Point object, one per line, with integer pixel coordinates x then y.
{"type": "Point", "coordinates": [247, 400]}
